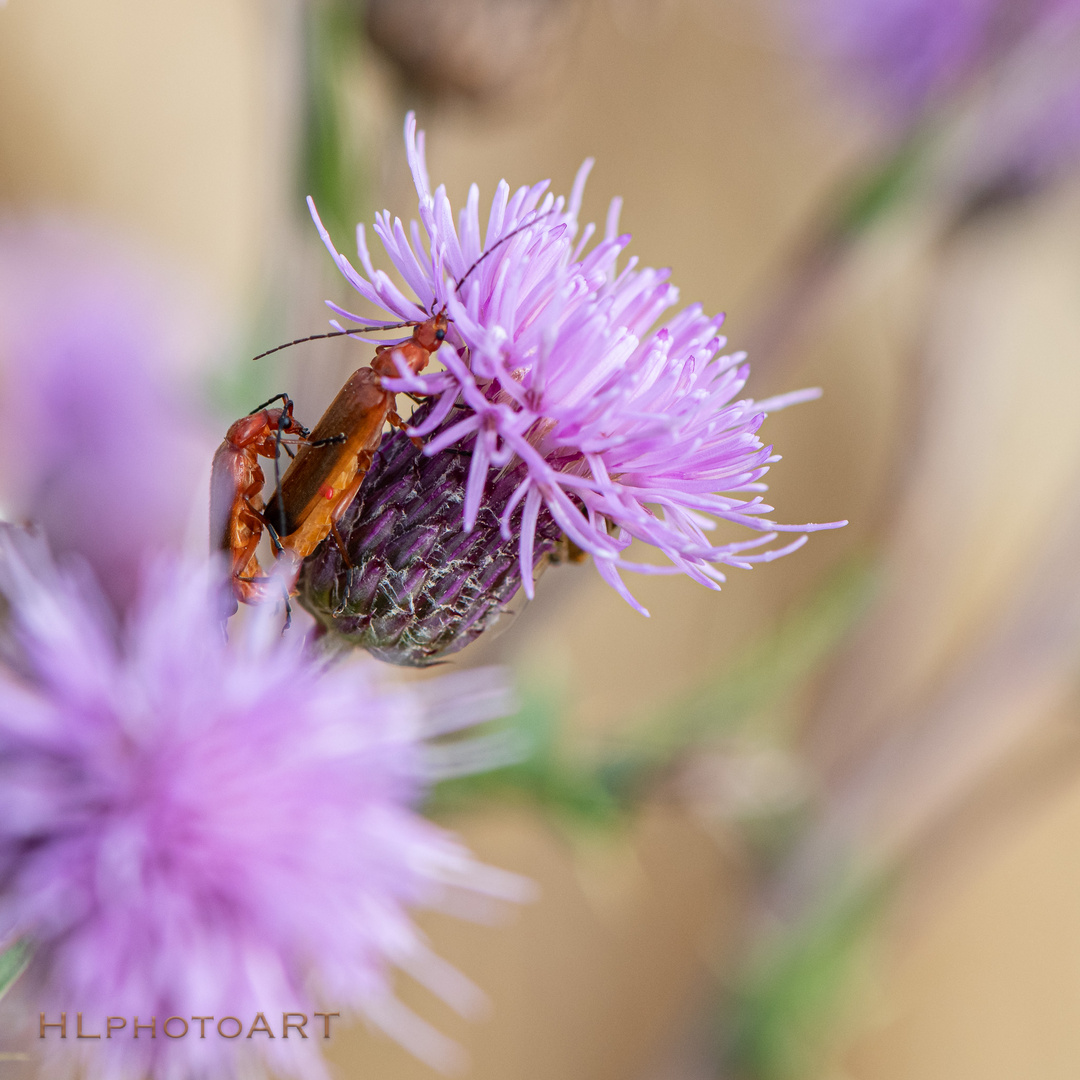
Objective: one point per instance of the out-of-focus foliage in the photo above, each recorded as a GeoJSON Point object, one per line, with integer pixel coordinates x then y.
{"type": "Point", "coordinates": [333, 172]}
{"type": "Point", "coordinates": [880, 189]}
{"type": "Point", "coordinates": [786, 1005]}
{"type": "Point", "coordinates": [544, 775]}
{"type": "Point", "coordinates": [13, 962]}
{"type": "Point", "coordinates": [599, 789]}
{"type": "Point", "coordinates": [770, 669]}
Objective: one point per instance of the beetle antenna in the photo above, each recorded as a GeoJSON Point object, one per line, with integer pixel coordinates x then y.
{"type": "Point", "coordinates": [498, 243]}
{"type": "Point", "coordinates": [283, 398]}
{"type": "Point", "coordinates": [397, 326]}
{"type": "Point", "coordinates": [333, 333]}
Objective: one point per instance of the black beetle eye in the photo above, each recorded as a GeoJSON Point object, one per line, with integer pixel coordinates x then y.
{"type": "Point", "coordinates": [440, 335]}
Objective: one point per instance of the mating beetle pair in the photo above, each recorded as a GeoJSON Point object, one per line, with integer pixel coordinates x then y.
{"type": "Point", "coordinates": [323, 478]}
{"type": "Point", "coordinates": [328, 467]}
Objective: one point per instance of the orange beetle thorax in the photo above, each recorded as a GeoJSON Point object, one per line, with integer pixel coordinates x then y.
{"type": "Point", "coordinates": [259, 433]}
{"type": "Point", "coordinates": [426, 339]}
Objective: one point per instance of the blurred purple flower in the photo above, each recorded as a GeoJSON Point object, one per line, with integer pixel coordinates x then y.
{"type": "Point", "coordinates": [1025, 123]}
{"type": "Point", "coordinates": [627, 432]}
{"type": "Point", "coordinates": [1009, 71]}
{"type": "Point", "coordinates": [195, 828]}
{"type": "Point", "coordinates": [909, 50]}
{"type": "Point", "coordinates": [915, 51]}
{"type": "Point", "coordinates": [108, 452]}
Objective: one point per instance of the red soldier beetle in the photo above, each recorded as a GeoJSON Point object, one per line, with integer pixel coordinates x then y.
{"type": "Point", "coordinates": [236, 483]}
{"type": "Point", "coordinates": [319, 484]}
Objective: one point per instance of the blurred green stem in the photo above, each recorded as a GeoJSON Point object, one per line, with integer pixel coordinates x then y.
{"type": "Point", "coordinates": [332, 172]}
{"type": "Point", "coordinates": [770, 670]}
{"type": "Point", "coordinates": [780, 1017]}
{"type": "Point", "coordinates": [602, 788]}
{"type": "Point", "coordinates": [13, 962]}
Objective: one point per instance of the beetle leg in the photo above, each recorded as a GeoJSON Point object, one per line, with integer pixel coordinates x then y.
{"type": "Point", "coordinates": [267, 524]}
{"type": "Point", "coordinates": [330, 441]}
{"type": "Point", "coordinates": [343, 502]}
{"type": "Point", "coordinates": [275, 539]}
{"type": "Point", "coordinates": [258, 587]}
{"type": "Point", "coordinates": [245, 562]}
{"type": "Point", "coordinates": [254, 588]}
{"type": "Point", "coordinates": [350, 570]}
{"type": "Point", "coordinates": [278, 498]}
{"type": "Point", "coordinates": [397, 422]}
{"type": "Point", "coordinates": [342, 551]}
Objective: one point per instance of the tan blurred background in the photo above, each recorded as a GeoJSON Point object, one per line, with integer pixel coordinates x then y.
{"type": "Point", "coordinates": [177, 124]}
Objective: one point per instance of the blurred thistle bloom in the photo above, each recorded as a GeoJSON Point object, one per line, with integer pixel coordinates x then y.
{"type": "Point", "coordinates": [915, 51]}
{"type": "Point", "coordinates": [610, 430]}
{"type": "Point", "coordinates": [1004, 75]}
{"type": "Point", "coordinates": [195, 828]}
{"type": "Point", "coordinates": [1024, 126]}
{"type": "Point", "coordinates": [95, 365]}
{"type": "Point", "coordinates": [911, 51]}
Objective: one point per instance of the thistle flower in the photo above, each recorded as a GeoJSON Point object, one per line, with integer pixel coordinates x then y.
{"type": "Point", "coordinates": [621, 431]}
{"type": "Point", "coordinates": [111, 447]}
{"type": "Point", "coordinates": [193, 828]}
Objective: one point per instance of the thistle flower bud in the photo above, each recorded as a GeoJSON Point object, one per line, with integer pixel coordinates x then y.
{"type": "Point", "coordinates": [420, 587]}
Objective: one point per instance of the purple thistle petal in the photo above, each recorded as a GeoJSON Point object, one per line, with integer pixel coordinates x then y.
{"type": "Point", "coordinates": [474, 487]}
{"type": "Point", "coordinates": [441, 410]}
{"type": "Point", "coordinates": [452, 435]}
{"type": "Point", "coordinates": [529, 517]}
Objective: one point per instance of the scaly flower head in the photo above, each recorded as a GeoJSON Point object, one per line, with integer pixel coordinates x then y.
{"type": "Point", "coordinates": [419, 587]}
{"type": "Point", "coordinates": [194, 828]}
{"type": "Point", "coordinates": [554, 361]}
